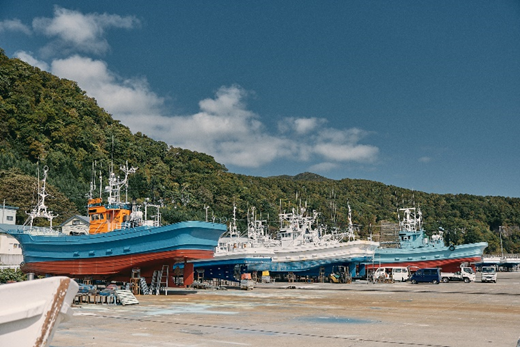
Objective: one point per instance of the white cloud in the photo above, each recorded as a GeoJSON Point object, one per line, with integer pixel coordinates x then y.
{"type": "Point", "coordinates": [77, 32]}
{"type": "Point", "coordinates": [300, 126]}
{"type": "Point", "coordinates": [338, 136]}
{"type": "Point", "coordinates": [425, 159]}
{"type": "Point", "coordinates": [14, 25]}
{"type": "Point", "coordinates": [235, 135]}
{"type": "Point", "coordinates": [346, 152]}
{"type": "Point", "coordinates": [224, 127]}
{"type": "Point", "coordinates": [29, 59]}
{"type": "Point", "coordinates": [343, 145]}
{"type": "Point", "coordinates": [120, 97]}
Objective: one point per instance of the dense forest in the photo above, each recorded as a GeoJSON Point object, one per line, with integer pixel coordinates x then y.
{"type": "Point", "coordinates": [48, 121]}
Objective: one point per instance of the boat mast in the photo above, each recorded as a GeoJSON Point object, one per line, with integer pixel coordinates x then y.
{"type": "Point", "coordinates": [412, 221]}
{"type": "Point", "coordinates": [116, 183]}
{"type": "Point", "coordinates": [40, 211]}
{"type": "Point", "coordinates": [233, 230]}
{"type": "Point", "coordinates": [350, 230]}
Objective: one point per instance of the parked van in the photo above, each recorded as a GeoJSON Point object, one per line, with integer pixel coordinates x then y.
{"type": "Point", "coordinates": [432, 275]}
{"type": "Point", "coordinates": [397, 274]}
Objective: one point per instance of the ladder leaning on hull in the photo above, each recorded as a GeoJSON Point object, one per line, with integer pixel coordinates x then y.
{"type": "Point", "coordinates": [160, 280]}
{"type": "Point", "coordinates": [144, 287]}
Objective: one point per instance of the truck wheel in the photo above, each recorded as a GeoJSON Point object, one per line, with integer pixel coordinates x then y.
{"type": "Point", "coordinates": [466, 280]}
{"type": "Point", "coordinates": [435, 282]}
{"type": "Point", "coordinates": [445, 280]}
{"type": "Point", "coordinates": [414, 282]}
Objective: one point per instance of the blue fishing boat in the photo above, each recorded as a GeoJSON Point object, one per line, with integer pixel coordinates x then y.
{"type": "Point", "coordinates": [119, 240]}
{"type": "Point", "coordinates": [416, 250]}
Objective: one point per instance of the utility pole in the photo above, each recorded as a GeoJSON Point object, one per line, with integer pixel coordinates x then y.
{"type": "Point", "coordinates": [501, 246]}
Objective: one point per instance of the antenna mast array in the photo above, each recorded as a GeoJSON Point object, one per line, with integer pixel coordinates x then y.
{"type": "Point", "coordinates": [40, 211]}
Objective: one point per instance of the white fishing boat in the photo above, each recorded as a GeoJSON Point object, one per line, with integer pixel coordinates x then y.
{"type": "Point", "coordinates": [301, 246]}
{"type": "Point", "coordinates": [491, 260]}
{"type": "Point", "coordinates": [306, 245]}
{"type": "Point", "coordinates": [32, 310]}
{"type": "Point", "coordinates": [506, 262]}
{"type": "Point", "coordinates": [237, 253]}
{"type": "Point", "coordinates": [256, 243]}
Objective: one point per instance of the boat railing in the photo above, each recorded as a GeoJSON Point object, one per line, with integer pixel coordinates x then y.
{"type": "Point", "coordinates": [504, 256]}
{"type": "Point", "coordinates": [118, 206]}
{"type": "Point", "coordinates": [33, 230]}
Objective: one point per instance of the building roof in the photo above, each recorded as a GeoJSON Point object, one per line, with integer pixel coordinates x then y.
{"type": "Point", "coordinates": [84, 219]}
{"type": "Point", "coordinates": [7, 207]}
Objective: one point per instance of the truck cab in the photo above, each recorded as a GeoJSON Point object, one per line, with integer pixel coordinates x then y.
{"type": "Point", "coordinates": [465, 274]}
{"type": "Point", "coordinates": [489, 274]}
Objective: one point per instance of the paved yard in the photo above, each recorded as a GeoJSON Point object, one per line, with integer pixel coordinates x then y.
{"type": "Point", "coordinates": [358, 314]}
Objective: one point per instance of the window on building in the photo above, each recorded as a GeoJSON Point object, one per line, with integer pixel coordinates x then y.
{"type": "Point", "coordinates": [10, 218]}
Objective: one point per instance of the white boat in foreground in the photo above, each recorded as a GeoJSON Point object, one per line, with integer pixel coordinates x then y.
{"type": "Point", "coordinates": [32, 310]}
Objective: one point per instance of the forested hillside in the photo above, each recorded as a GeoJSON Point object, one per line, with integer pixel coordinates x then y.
{"type": "Point", "coordinates": [49, 121]}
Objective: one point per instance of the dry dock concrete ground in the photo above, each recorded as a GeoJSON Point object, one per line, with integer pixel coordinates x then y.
{"type": "Point", "coordinates": [357, 314]}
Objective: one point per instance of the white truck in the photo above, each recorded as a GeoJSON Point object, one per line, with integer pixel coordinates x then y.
{"type": "Point", "coordinates": [489, 274]}
{"type": "Point", "coordinates": [465, 274]}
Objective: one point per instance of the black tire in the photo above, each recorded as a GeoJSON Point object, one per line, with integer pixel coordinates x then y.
{"type": "Point", "coordinates": [414, 281]}
{"type": "Point", "coordinates": [445, 280]}
{"type": "Point", "coordinates": [466, 280]}
{"type": "Point", "coordinates": [452, 248]}
{"type": "Point", "coordinates": [435, 282]}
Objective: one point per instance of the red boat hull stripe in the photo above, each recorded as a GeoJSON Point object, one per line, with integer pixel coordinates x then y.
{"type": "Point", "coordinates": [107, 266]}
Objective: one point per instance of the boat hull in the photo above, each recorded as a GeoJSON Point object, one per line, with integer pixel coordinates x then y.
{"type": "Point", "coordinates": [115, 253]}
{"type": "Point", "coordinates": [447, 258]}
{"type": "Point", "coordinates": [32, 310]}
{"type": "Point", "coordinates": [118, 267]}
{"type": "Point", "coordinates": [307, 259]}
{"type": "Point", "coordinates": [229, 269]}
{"type": "Point", "coordinates": [344, 251]}
{"type": "Point", "coordinates": [304, 260]}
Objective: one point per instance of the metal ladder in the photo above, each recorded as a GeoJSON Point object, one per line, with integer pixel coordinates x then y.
{"type": "Point", "coordinates": [163, 279]}
{"type": "Point", "coordinates": [159, 280]}
{"type": "Point", "coordinates": [144, 287]}
{"type": "Point", "coordinates": [154, 284]}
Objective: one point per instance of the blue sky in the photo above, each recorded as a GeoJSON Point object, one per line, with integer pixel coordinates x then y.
{"type": "Point", "coordinates": [423, 95]}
